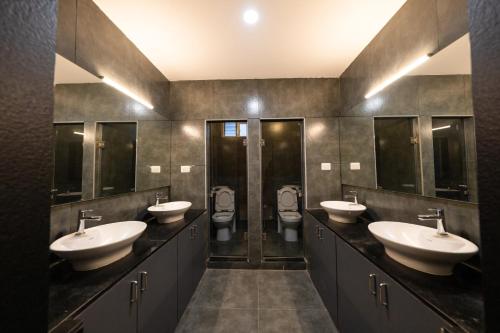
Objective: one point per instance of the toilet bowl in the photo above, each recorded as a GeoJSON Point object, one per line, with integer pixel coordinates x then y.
{"type": "Point", "coordinates": [223, 222]}
{"type": "Point", "coordinates": [289, 218]}
{"type": "Point", "coordinates": [224, 219]}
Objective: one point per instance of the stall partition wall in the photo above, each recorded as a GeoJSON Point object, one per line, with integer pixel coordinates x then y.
{"type": "Point", "coordinates": [282, 164]}
{"type": "Point", "coordinates": [227, 164]}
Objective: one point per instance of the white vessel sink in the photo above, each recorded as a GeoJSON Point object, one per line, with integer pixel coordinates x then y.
{"type": "Point", "coordinates": [422, 248]}
{"type": "Point", "coordinates": [343, 211]}
{"type": "Point", "coordinates": [98, 246]}
{"type": "Point", "coordinates": [169, 212]}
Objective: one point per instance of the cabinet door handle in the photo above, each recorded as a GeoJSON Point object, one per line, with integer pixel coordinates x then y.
{"type": "Point", "coordinates": [321, 236]}
{"type": "Point", "coordinates": [144, 280]}
{"type": "Point", "coordinates": [372, 284]}
{"type": "Point", "coordinates": [383, 294]}
{"type": "Point", "coordinates": [191, 230]}
{"type": "Point", "coordinates": [133, 291]}
{"type": "Point", "coordinates": [195, 227]}
{"type": "Point", "coordinates": [317, 231]}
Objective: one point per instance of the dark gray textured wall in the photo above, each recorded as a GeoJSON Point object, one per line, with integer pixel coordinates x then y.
{"type": "Point", "coordinates": [485, 44]}
{"type": "Point", "coordinates": [316, 100]}
{"type": "Point", "coordinates": [28, 30]}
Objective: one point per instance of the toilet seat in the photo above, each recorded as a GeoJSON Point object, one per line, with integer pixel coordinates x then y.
{"type": "Point", "coordinates": [290, 216]}
{"type": "Point", "coordinates": [220, 217]}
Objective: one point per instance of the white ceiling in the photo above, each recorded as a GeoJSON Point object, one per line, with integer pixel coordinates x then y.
{"type": "Point", "coordinates": [67, 72]}
{"type": "Point", "coordinates": [453, 59]}
{"type": "Point", "coordinates": [207, 39]}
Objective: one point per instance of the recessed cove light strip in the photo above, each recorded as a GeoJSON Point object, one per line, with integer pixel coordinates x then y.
{"type": "Point", "coordinates": [405, 70]}
{"type": "Point", "coordinates": [127, 92]}
{"type": "Point", "coordinates": [78, 133]}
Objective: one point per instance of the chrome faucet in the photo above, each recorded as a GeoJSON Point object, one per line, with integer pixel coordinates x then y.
{"type": "Point", "coordinates": [439, 217]}
{"type": "Point", "coordinates": [159, 196]}
{"type": "Point", "coordinates": [82, 218]}
{"type": "Point", "coordinates": [353, 195]}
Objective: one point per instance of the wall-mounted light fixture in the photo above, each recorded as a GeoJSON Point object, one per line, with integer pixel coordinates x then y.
{"type": "Point", "coordinates": [405, 70]}
{"type": "Point", "coordinates": [127, 92]}
{"type": "Point", "coordinates": [441, 128]}
{"type": "Point", "coordinates": [78, 133]}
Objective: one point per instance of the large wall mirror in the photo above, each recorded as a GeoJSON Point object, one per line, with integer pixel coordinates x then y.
{"type": "Point", "coordinates": [104, 142]}
{"type": "Point", "coordinates": [419, 134]}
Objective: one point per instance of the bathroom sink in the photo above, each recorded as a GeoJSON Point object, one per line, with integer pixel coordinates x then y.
{"type": "Point", "coordinates": [98, 246]}
{"type": "Point", "coordinates": [343, 211]}
{"type": "Point", "coordinates": [169, 212]}
{"type": "Point", "coordinates": [422, 248]}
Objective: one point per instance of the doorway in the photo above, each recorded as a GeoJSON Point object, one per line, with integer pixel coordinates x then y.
{"type": "Point", "coordinates": [227, 181]}
{"type": "Point", "coordinates": [282, 189]}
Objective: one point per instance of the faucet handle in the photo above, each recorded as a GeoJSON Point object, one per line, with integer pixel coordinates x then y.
{"type": "Point", "coordinates": [83, 212]}
{"type": "Point", "coordinates": [438, 211]}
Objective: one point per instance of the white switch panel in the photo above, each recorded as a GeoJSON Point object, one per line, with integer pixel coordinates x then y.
{"type": "Point", "coordinates": [326, 166]}
{"type": "Point", "coordinates": [355, 166]}
{"type": "Point", "coordinates": [185, 168]}
{"type": "Point", "coordinates": [155, 168]}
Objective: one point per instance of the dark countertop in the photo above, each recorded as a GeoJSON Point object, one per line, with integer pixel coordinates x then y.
{"type": "Point", "coordinates": [70, 291]}
{"type": "Point", "coordinates": [457, 297]}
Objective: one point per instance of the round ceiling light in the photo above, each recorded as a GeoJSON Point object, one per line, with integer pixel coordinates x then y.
{"type": "Point", "coordinates": [250, 16]}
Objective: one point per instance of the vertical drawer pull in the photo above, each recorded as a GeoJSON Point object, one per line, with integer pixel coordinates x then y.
{"type": "Point", "coordinates": [195, 227]}
{"type": "Point", "coordinates": [317, 231]}
{"type": "Point", "coordinates": [372, 284]}
{"type": "Point", "coordinates": [144, 281]}
{"type": "Point", "coordinates": [133, 291]}
{"type": "Point", "coordinates": [321, 236]}
{"type": "Point", "coordinates": [191, 230]}
{"type": "Point", "coordinates": [383, 294]}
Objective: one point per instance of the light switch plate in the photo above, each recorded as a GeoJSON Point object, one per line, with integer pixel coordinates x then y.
{"type": "Point", "coordinates": [326, 166]}
{"type": "Point", "coordinates": [355, 166]}
{"type": "Point", "coordinates": [185, 168]}
{"type": "Point", "coordinates": [155, 168]}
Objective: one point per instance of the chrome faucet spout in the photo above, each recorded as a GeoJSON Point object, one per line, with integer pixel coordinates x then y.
{"type": "Point", "coordinates": [159, 196]}
{"type": "Point", "coordinates": [439, 217]}
{"type": "Point", "coordinates": [353, 195]}
{"type": "Point", "coordinates": [82, 218]}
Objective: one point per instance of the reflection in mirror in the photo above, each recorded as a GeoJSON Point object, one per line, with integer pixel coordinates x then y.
{"type": "Point", "coordinates": [426, 142]}
{"type": "Point", "coordinates": [113, 127]}
{"type": "Point", "coordinates": [67, 161]}
{"type": "Point", "coordinates": [115, 158]}
{"type": "Point", "coordinates": [450, 163]}
{"type": "Point", "coordinates": [397, 154]}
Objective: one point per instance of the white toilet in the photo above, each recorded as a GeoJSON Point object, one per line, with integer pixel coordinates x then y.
{"type": "Point", "coordinates": [224, 218]}
{"type": "Point", "coordinates": [288, 216]}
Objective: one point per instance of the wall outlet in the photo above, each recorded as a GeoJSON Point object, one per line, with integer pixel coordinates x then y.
{"type": "Point", "coordinates": [326, 166]}
{"type": "Point", "coordinates": [355, 166]}
{"type": "Point", "coordinates": [185, 168]}
{"type": "Point", "coordinates": [155, 168]}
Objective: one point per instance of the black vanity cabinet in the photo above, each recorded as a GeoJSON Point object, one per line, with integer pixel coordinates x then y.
{"type": "Point", "coordinates": [192, 251]}
{"type": "Point", "coordinates": [370, 301]}
{"type": "Point", "coordinates": [322, 262]}
{"type": "Point", "coordinates": [158, 291]}
{"type": "Point", "coordinates": [144, 301]}
{"type": "Point", "coordinates": [153, 296]}
{"type": "Point", "coordinates": [114, 311]}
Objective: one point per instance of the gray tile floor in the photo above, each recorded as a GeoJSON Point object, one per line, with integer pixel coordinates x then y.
{"type": "Point", "coordinates": [230, 300]}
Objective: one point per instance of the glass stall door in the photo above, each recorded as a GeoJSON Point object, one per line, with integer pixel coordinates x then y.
{"type": "Point", "coordinates": [227, 174]}
{"type": "Point", "coordinates": [282, 176]}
